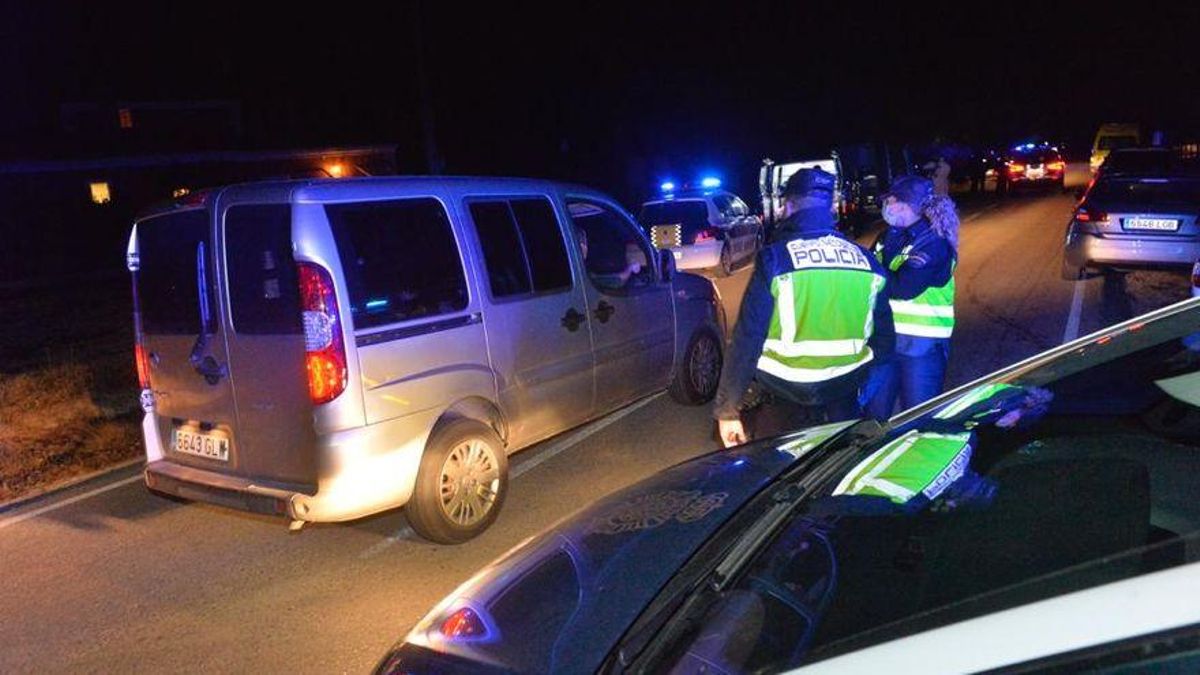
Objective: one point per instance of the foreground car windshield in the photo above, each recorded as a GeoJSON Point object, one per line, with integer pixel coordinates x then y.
{"type": "Point", "coordinates": [1064, 473]}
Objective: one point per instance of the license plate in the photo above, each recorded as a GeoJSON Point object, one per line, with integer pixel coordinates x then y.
{"type": "Point", "coordinates": [1160, 224]}
{"type": "Point", "coordinates": [207, 445]}
{"type": "Point", "coordinates": [678, 255]}
{"type": "Point", "coordinates": [1036, 173]}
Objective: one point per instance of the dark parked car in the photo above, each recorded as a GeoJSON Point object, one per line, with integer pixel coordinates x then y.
{"type": "Point", "coordinates": [1020, 518]}
{"type": "Point", "coordinates": [1140, 161]}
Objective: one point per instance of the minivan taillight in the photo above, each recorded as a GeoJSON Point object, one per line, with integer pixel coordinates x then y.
{"type": "Point", "coordinates": [325, 352]}
{"type": "Point", "coordinates": [705, 234]}
{"type": "Point", "coordinates": [143, 365]}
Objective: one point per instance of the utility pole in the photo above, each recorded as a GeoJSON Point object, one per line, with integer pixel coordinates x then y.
{"type": "Point", "coordinates": [433, 159]}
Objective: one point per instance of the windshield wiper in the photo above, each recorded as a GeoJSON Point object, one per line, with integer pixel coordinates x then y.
{"type": "Point", "coordinates": [787, 497]}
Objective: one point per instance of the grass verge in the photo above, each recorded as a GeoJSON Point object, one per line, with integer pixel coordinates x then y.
{"type": "Point", "coordinates": [61, 421]}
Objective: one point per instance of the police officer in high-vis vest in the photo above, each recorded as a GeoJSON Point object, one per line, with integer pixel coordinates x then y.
{"type": "Point", "coordinates": [814, 317]}
{"type": "Point", "coordinates": [919, 249]}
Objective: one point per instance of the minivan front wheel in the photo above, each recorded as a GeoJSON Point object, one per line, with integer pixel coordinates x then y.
{"type": "Point", "coordinates": [699, 371]}
{"type": "Point", "coordinates": [461, 484]}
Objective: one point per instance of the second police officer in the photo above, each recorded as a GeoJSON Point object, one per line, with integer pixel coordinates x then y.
{"type": "Point", "coordinates": [919, 249]}
{"type": "Point", "coordinates": [814, 315]}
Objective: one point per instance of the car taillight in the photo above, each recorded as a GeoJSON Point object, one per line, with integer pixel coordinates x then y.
{"type": "Point", "coordinates": [1086, 215]}
{"type": "Point", "coordinates": [465, 624]}
{"type": "Point", "coordinates": [143, 365]}
{"type": "Point", "coordinates": [325, 357]}
{"type": "Point", "coordinates": [1016, 168]}
{"type": "Point", "coordinates": [1056, 166]}
{"type": "Point", "coordinates": [707, 234]}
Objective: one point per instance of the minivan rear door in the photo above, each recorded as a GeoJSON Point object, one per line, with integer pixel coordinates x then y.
{"type": "Point", "coordinates": [275, 437]}
{"type": "Point", "coordinates": [227, 368]}
{"type": "Point", "coordinates": [173, 262]}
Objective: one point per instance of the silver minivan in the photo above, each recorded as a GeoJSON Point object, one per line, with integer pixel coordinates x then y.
{"type": "Point", "coordinates": [325, 350]}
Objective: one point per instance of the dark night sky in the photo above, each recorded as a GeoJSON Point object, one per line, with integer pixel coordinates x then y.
{"type": "Point", "coordinates": [605, 89]}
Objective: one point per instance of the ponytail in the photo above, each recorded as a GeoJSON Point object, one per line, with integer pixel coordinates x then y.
{"type": "Point", "coordinates": [942, 215]}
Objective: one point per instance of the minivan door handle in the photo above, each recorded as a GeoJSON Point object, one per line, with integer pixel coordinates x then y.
{"type": "Point", "coordinates": [604, 311]}
{"type": "Point", "coordinates": [210, 370]}
{"type": "Point", "coordinates": [573, 319]}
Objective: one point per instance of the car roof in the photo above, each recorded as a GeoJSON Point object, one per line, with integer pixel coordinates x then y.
{"type": "Point", "coordinates": [691, 195]}
{"type": "Point", "coordinates": [372, 188]}
{"type": "Point", "coordinates": [1037, 149]}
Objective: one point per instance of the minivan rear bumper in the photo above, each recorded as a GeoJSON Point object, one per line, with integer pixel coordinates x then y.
{"type": "Point", "coordinates": [215, 488]}
{"type": "Point", "coordinates": [364, 470]}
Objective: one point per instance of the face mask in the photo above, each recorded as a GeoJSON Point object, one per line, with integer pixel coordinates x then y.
{"type": "Point", "coordinates": [893, 214]}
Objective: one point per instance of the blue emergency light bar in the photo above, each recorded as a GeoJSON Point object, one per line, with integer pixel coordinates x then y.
{"type": "Point", "coordinates": [667, 186]}
{"type": "Point", "coordinates": [710, 182]}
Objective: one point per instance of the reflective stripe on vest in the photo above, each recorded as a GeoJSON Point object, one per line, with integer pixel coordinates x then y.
{"type": "Point", "coordinates": [824, 311]}
{"type": "Point", "coordinates": [916, 463]}
{"type": "Point", "coordinates": [930, 314]}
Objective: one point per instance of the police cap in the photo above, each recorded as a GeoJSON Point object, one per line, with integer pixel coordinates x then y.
{"type": "Point", "coordinates": [814, 182]}
{"type": "Point", "coordinates": [912, 190]}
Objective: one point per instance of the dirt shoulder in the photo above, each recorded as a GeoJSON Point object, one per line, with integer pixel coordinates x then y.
{"type": "Point", "coordinates": [68, 385]}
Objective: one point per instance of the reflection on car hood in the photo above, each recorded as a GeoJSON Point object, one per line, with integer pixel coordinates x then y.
{"type": "Point", "coordinates": [610, 561]}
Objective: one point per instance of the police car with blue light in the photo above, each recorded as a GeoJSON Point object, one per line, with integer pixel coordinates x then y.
{"type": "Point", "coordinates": [702, 225]}
{"type": "Point", "coordinates": [1019, 522]}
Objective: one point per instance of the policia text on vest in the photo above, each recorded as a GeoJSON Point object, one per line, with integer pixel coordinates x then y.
{"type": "Point", "coordinates": [813, 320]}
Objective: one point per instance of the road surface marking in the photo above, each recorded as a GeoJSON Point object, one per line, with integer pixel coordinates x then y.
{"type": "Point", "coordinates": [575, 438]}
{"type": "Point", "coordinates": [13, 520]}
{"type": "Point", "coordinates": [551, 451]}
{"type": "Point", "coordinates": [1072, 330]}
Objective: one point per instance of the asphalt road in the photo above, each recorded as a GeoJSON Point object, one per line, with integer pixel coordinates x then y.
{"type": "Point", "coordinates": [106, 577]}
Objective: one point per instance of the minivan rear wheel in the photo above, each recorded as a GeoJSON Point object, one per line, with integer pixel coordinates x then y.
{"type": "Point", "coordinates": [699, 372]}
{"type": "Point", "coordinates": [461, 484]}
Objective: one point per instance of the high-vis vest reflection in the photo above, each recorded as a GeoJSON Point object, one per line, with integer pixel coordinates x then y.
{"type": "Point", "coordinates": [824, 311]}
{"type": "Point", "coordinates": [917, 463]}
{"type": "Point", "coordinates": [930, 314]}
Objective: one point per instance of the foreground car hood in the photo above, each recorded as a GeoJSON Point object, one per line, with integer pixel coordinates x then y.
{"type": "Point", "coordinates": [560, 601]}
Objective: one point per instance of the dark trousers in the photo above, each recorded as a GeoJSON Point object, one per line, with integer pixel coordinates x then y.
{"type": "Point", "coordinates": [911, 380]}
{"type": "Point", "coordinates": [778, 415]}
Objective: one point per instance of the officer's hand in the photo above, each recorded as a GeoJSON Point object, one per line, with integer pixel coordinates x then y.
{"type": "Point", "coordinates": [732, 432]}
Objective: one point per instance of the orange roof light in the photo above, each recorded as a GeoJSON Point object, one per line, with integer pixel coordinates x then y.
{"type": "Point", "coordinates": [335, 170]}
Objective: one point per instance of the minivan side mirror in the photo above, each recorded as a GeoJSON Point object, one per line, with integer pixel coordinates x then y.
{"type": "Point", "coordinates": [666, 265]}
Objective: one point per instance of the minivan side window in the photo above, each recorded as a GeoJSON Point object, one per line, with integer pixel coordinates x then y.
{"type": "Point", "coordinates": [616, 255]}
{"type": "Point", "coordinates": [400, 260]}
{"type": "Point", "coordinates": [264, 292]}
{"type": "Point", "coordinates": [522, 246]}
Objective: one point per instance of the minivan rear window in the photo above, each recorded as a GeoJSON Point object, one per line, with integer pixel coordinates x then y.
{"type": "Point", "coordinates": [400, 260]}
{"type": "Point", "coordinates": [167, 286]}
{"type": "Point", "coordinates": [263, 288]}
